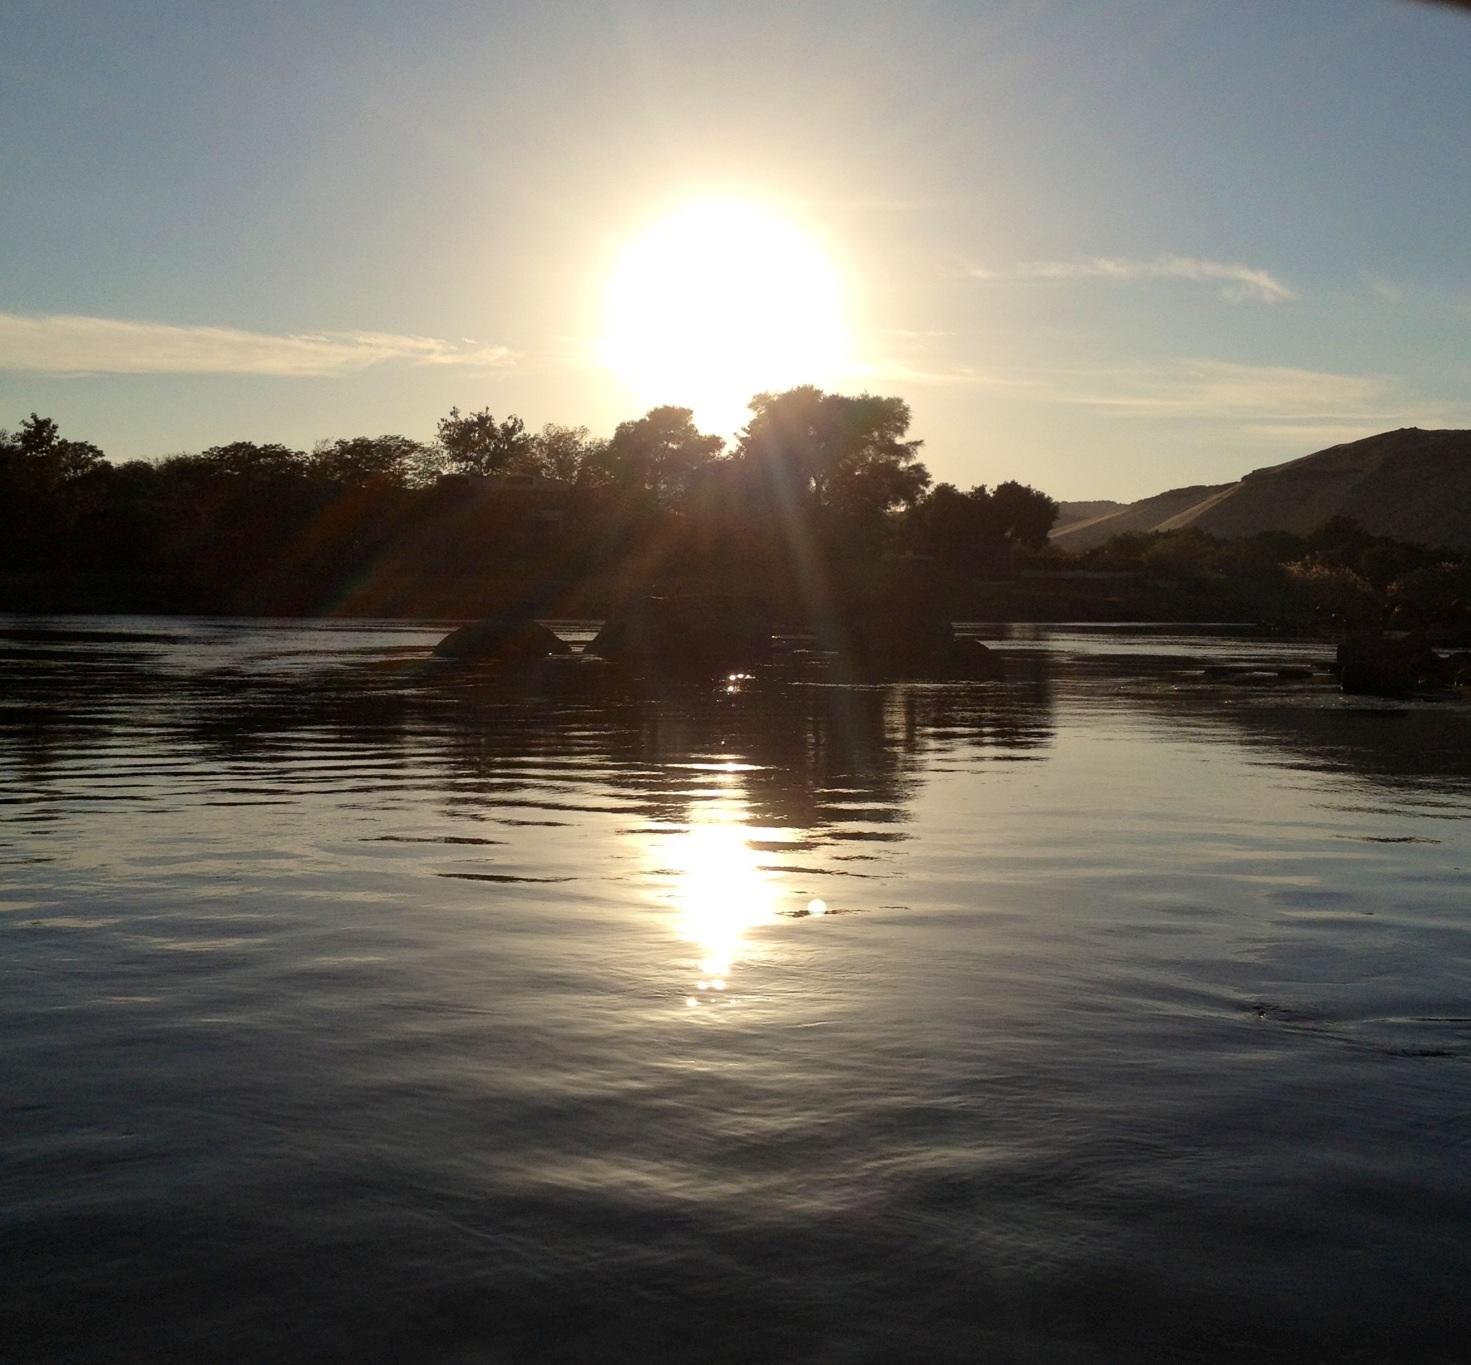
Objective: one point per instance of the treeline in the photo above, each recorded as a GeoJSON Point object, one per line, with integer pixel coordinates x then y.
{"type": "Point", "coordinates": [820, 496]}
{"type": "Point", "coordinates": [1340, 575]}
{"type": "Point", "coordinates": [817, 494]}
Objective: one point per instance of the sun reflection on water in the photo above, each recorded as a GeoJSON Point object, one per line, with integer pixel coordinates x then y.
{"type": "Point", "coordinates": [721, 892]}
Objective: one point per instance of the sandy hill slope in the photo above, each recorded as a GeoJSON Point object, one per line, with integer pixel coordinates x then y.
{"type": "Point", "coordinates": [1411, 484]}
{"type": "Point", "coordinates": [1149, 514]}
{"type": "Point", "coordinates": [1069, 512]}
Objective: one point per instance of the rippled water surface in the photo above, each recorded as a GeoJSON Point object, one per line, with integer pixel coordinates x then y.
{"type": "Point", "coordinates": [352, 1009]}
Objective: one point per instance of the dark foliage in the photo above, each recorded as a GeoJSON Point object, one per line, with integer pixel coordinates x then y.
{"type": "Point", "coordinates": [978, 531]}
{"type": "Point", "coordinates": [488, 512]}
{"type": "Point", "coordinates": [1340, 575]}
{"type": "Point", "coordinates": [821, 498]}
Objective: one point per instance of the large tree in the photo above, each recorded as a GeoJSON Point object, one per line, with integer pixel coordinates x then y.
{"type": "Point", "coordinates": [1024, 514]}
{"type": "Point", "coordinates": [958, 529]}
{"type": "Point", "coordinates": [975, 530]}
{"type": "Point", "coordinates": [475, 443]}
{"type": "Point", "coordinates": [245, 461]}
{"type": "Point", "coordinates": [565, 452]}
{"type": "Point", "coordinates": [357, 461]}
{"type": "Point", "coordinates": [848, 454]}
{"type": "Point", "coordinates": [47, 483]}
{"type": "Point", "coordinates": [657, 454]}
{"type": "Point", "coordinates": [38, 453]}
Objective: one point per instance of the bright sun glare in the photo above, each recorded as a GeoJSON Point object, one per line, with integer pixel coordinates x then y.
{"type": "Point", "coordinates": [721, 300]}
{"type": "Point", "coordinates": [723, 894]}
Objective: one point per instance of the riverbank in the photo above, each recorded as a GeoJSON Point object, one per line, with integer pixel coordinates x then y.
{"type": "Point", "coordinates": [1036, 600]}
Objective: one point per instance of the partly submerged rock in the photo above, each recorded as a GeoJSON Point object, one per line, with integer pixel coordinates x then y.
{"type": "Point", "coordinates": [1384, 665]}
{"type": "Point", "coordinates": [1458, 668]}
{"type": "Point", "coordinates": [499, 639]}
{"type": "Point", "coordinates": [888, 636]}
{"type": "Point", "coordinates": [893, 637]}
{"type": "Point", "coordinates": [692, 633]}
{"type": "Point", "coordinates": [969, 658]}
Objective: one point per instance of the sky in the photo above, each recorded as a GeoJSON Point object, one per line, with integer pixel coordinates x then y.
{"type": "Point", "coordinates": [1104, 248]}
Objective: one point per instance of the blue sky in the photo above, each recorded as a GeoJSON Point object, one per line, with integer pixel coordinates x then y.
{"type": "Point", "coordinates": [1105, 248]}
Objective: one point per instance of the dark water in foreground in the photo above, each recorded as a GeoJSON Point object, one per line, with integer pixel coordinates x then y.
{"type": "Point", "coordinates": [351, 1013]}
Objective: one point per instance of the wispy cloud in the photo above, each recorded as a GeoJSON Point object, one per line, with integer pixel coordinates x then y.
{"type": "Point", "coordinates": [1309, 434]}
{"type": "Point", "coordinates": [1227, 390]}
{"type": "Point", "coordinates": [1384, 288]}
{"type": "Point", "coordinates": [71, 345]}
{"type": "Point", "coordinates": [1237, 283]}
{"type": "Point", "coordinates": [890, 370]}
{"type": "Point", "coordinates": [1262, 398]}
{"type": "Point", "coordinates": [923, 355]}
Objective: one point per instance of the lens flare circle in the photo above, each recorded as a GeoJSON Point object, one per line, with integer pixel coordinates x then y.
{"type": "Point", "coordinates": [722, 299]}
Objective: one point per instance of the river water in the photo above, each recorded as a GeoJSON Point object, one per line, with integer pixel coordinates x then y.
{"type": "Point", "coordinates": [352, 1010]}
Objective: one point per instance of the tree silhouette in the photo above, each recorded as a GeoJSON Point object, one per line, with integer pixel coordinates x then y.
{"type": "Point", "coordinates": [1024, 515]}
{"type": "Point", "coordinates": [975, 531]}
{"type": "Point", "coordinates": [37, 451]}
{"type": "Point", "coordinates": [959, 529]}
{"type": "Point", "coordinates": [476, 443]}
{"type": "Point", "coordinates": [564, 452]}
{"type": "Point", "coordinates": [245, 460]}
{"type": "Point", "coordinates": [657, 455]}
{"type": "Point", "coordinates": [356, 461]}
{"type": "Point", "coordinates": [848, 454]}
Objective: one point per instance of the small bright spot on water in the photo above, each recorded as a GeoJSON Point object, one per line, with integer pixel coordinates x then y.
{"type": "Point", "coordinates": [691, 1002]}
{"type": "Point", "coordinates": [817, 906]}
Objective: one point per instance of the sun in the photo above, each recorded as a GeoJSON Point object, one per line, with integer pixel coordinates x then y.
{"type": "Point", "coordinates": [722, 299]}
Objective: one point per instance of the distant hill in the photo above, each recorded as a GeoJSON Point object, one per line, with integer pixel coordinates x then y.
{"type": "Point", "coordinates": [1148, 514]}
{"type": "Point", "coordinates": [1069, 512]}
{"type": "Point", "coordinates": [1411, 484]}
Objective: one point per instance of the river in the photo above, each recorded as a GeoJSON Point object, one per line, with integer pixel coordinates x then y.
{"type": "Point", "coordinates": [353, 1010]}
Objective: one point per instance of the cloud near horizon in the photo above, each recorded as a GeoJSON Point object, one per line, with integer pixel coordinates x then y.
{"type": "Point", "coordinates": [1228, 390]}
{"type": "Point", "coordinates": [1237, 283]}
{"type": "Point", "coordinates": [65, 344]}
{"type": "Point", "coordinates": [1320, 437]}
{"type": "Point", "coordinates": [1264, 398]}
{"type": "Point", "coordinates": [892, 370]}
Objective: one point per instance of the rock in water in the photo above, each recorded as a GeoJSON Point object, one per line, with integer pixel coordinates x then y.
{"type": "Point", "coordinates": [693, 633]}
{"type": "Point", "coordinates": [1458, 667]}
{"type": "Point", "coordinates": [969, 658]}
{"type": "Point", "coordinates": [499, 639]}
{"type": "Point", "coordinates": [1379, 665]}
{"type": "Point", "coordinates": [885, 635]}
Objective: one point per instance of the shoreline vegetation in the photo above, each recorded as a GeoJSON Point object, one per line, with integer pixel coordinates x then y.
{"type": "Point", "coordinates": [819, 502]}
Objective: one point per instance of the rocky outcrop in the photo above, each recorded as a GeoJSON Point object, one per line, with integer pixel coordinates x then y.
{"type": "Point", "coordinates": [900, 637]}
{"type": "Point", "coordinates": [1384, 665]}
{"type": "Point", "coordinates": [500, 640]}
{"type": "Point", "coordinates": [696, 633]}
{"type": "Point", "coordinates": [969, 658]}
{"type": "Point", "coordinates": [886, 636]}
